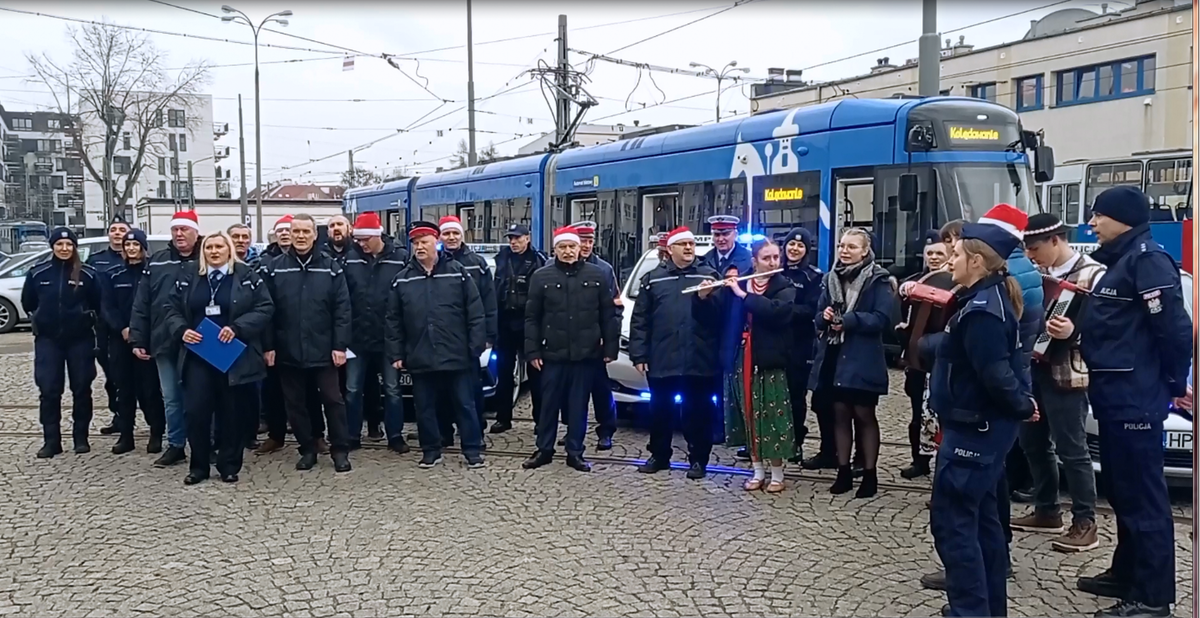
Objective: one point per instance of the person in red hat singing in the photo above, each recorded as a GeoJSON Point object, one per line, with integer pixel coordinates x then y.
{"type": "Point", "coordinates": [673, 341]}
{"type": "Point", "coordinates": [283, 237]}
{"type": "Point", "coordinates": [431, 301]}
{"type": "Point", "coordinates": [370, 271]}
{"type": "Point", "coordinates": [148, 333]}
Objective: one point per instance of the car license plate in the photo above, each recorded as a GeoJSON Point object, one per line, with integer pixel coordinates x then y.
{"type": "Point", "coordinates": [1177, 440]}
{"type": "Point", "coordinates": [406, 380]}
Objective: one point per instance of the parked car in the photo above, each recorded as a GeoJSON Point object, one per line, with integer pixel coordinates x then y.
{"type": "Point", "coordinates": [1178, 443]}
{"type": "Point", "coordinates": [12, 275]}
{"type": "Point", "coordinates": [628, 384]}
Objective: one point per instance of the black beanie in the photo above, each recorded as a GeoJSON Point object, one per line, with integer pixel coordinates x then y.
{"type": "Point", "coordinates": [62, 233]}
{"type": "Point", "coordinates": [1125, 204]}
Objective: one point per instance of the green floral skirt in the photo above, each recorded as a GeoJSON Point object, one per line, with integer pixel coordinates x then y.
{"type": "Point", "coordinates": [771, 434]}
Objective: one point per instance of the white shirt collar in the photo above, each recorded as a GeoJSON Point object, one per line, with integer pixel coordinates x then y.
{"type": "Point", "coordinates": [224, 270]}
{"type": "Point", "coordinates": [1062, 270]}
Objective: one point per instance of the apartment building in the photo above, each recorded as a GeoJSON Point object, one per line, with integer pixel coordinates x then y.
{"type": "Point", "coordinates": [42, 169]}
{"type": "Point", "coordinates": [1101, 85]}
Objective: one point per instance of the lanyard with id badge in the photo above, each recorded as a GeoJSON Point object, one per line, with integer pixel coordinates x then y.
{"type": "Point", "coordinates": [213, 309]}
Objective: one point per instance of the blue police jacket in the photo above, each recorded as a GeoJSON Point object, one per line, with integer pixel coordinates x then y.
{"type": "Point", "coordinates": [61, 307]}
{"type": "Point", "coordinates": [740, 258]}
{"type": "Point", "coordinates": [1135, 335]}
{"type": "Point", "coordinates": [120, 286]}
{"type": "Point", "coordinates": [977, 376]}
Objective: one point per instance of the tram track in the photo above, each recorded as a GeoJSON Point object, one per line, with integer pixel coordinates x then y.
{"type": "Point", "coordinates": [789, 473]}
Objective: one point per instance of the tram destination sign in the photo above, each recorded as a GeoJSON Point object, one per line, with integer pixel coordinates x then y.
{"type": "Point", "coordinates": [969, 135]}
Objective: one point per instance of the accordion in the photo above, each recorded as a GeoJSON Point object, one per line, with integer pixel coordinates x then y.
{"type": "Point", "coordinates": [1063, 299]}
{"type": "Point", "coordinates": [928, 308]}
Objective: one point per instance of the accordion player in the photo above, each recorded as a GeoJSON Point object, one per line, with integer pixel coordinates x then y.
{"type": "Point", "coordinates": [927, 307]}
{"type": "Point", "coordinates": [1063, 299]}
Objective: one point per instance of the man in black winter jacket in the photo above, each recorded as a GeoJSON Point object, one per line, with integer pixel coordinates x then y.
{"type": "Point", "coordinates": [451, 231]}
{"type": "Point", "coordinates": [514, 268]}
{"type": "Point", "coordinates": [435, 331]}
{"type": "Point", "coordinates": [370, 272]}
{"type": "Point", "coordinates": [674, 342]}
{"type": "Point", "coordinates": [571, 323]}
{"type": "Point", "coordinates": [602, 397]}
{"type": "Point", "coordinates": [309, 339]}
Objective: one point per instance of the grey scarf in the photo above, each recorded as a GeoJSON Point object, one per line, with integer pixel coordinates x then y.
{"type": "Point", "coordinates": [844, 295]}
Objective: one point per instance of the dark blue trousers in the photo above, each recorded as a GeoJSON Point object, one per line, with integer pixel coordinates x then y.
{"type": "Point", "coordinates": [137, 386]}
{"type": "Point", "coordinates": [688, 400]}
{"type": "Point", "coordinates": [103, 357]}
{"type": "Point", "coordinates": [1131, 456]}
{"type": "Point", "coordinates": [55, 363]}
{"type": "Point", "coordinates": [964, 517]}
{"type": "Point", "coordinates": [565, 390]}
{"type": "Point", "coordinates": [453, 391]}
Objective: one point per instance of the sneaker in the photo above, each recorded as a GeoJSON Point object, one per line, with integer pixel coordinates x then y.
{"type": "Point", "coordinates": [429, 460]}
{"type": "Point", "coordinates": [1080, 537]}
{"type": "Point", "coordinates": [173, 455]}
{"type": "Point", "coordinates": [1039, 522]}
{"type": "Point", "coordinates": [1129, 609]}
{"type": "Point", "coordinates": [474, 462]}
{"type": "Point", "coordinates": [697, 471]}
{"type": "Point", "coordinates": [653, 465]}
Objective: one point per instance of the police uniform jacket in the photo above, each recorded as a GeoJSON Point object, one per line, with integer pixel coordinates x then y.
{"type": "Point", "coordinates": [312, 309]}
{"type": "Point", "coordinates": [251, 310]}
{"type": "Point", "coordinates": [513, 271]}
{"type": "Point", "coordinates": [370, 280]}
{"type": "Point", "coordinates": [477, 268]}
{"type": "Point", "coordinates": [676, 334]}
{"type": "Point", "coordinates": [60, 307]}
{"type": "Point", "coordinates": [807, 280]}
{"type": "Point", "coordinates": [740, 258]}
{"type": "Point", "coordinates": [434, 319]}
{"type": "Point", "coordinates": [121, 282]}
{"type": "Point", "coordinates": [571, 316]}
{"type": "Point", "coordinates": [862, 364]}
{"type": "Point", "coordinates": [102, 261]}
{"type": "Point", "coordinates": [1136, 337]}
{"type": "Point", "coordinates": [976, 377]}
{"type": "Point", "coordinates": [147, 328]}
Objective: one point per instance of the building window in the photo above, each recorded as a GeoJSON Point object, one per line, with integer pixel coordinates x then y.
{"type": "Point", "coordinates": [53, 123]}
{"type": "Point", "coordinates": [1105, 82]}
{"type": "Point", "coordinates": [56, 182]}
{"type": "Point", "coordinates": [162, 166]}
{"type": "Point", "coordinates": [162, 188]}
{"type": "Point", "coordinates": [22, 124]}
{"type": "Point", "coordinates": [122, 165]}
{"type": "Point", "coordinates": [157, 121]}
{"type": "Point", "coordinates": [1029, 93]}
{"type": "Point", "coordinates": [171, 142]}
{"type": "Point", "coordinates": [175, 118]}
{"type": "Point", "coordinates": [125, 141]}
{"type": "Point", "coordinates": [987, 92]}
{"type": "Point", "coordinates": [181, 189]}
{"type": "Point", "coordinates": [182, 142]}
{"type": "Point", "coordinates": [60, 165]}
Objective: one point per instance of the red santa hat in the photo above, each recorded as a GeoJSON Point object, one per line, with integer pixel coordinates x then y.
{"type": "Point", "coordinates": [679, 234]}
{"type": "Point", "coordinates": [284, 222]}
{"type": "Point", "coordinates": [450, 222]}
{"type": "Point", "coordinates": [368, 224]}
{"type": "Point", "coordinates": [662, 240]}
{"type": "Point", "coordinates": [566, 234]}
{"type": "Point", "coordinates": [186, 218]}
{"type": "Point", "coordinates": [1008, 218]}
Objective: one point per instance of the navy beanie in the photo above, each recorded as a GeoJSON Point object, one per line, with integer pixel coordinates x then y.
{"type": "Point", "coordinates": [139, 236]}
{"type": "Point", "coordinates": [932, 237]}
{"type": "Point", "coordinates": [61, 233]}
{"type": "Point", "coordinates": [1125, 204]}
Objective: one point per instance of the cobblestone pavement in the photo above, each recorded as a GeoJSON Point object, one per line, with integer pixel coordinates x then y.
{"type": "Point", "coordinates": [103, 535]}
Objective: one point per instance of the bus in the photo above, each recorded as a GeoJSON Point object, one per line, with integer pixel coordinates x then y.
{"type": "Point", "coordinates": [23, 236]}
{"type": "Point", "coordinates": [896, 166]}
{"type": "Point", "coordinates": [1164, 175]}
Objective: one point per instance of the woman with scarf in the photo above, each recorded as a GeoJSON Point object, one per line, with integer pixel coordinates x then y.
{"type": "Point", "coordinates": [758, 411]}
{"type": "Point", "coordinates": [857, 306]}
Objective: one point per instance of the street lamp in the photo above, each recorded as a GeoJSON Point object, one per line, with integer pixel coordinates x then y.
{"type": "Point", "coordinates": [732, 67]}
{"type": "Point", "coordinates": [236, 16]}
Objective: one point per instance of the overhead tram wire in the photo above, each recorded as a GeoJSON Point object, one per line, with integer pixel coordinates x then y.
{"type": "Point", "coordinates": [681, 26]}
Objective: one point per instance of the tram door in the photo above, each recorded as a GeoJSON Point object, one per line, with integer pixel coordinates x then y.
{"type": "Point", "coordinates": [584, 209]}
{"type": "Point", "coordinates": [471, 215]}
{"type": "Point", "coordinates": [661, 212]}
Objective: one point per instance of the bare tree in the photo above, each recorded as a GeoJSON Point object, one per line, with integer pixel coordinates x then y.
{"type": "Point", "coordinates": [462, 155]}
{"type": "Point", "coordinates": [361, 177]}
{"type": "Point", "coordinates": [115, 83]}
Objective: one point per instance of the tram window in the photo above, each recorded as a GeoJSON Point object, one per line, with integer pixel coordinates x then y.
{"type": "Point", "coordinates": [660, 213]}
{"type": "Point", "coordinates": [434, 214]}
{"type": "Point", "coordinates": [509, 212]}
{"type": "Point", "coordinates": [628, 242]}
{"type": "Point", "coordinates": [606, 223]}
{"type": "Point", "coordinates": [1072, 204]}
{"type": "Point", "coordinates": [1056, 202]}
{"type": "Point", "coordinates": [1101, 176]}
{"type": "Point", "coordinates": [1167, 182]}
{"type": "Point", "coordinates": [695, 202]}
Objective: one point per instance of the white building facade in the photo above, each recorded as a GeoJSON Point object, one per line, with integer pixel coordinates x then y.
{"type": "Point", "coordinates": [185, 135]}
{"type": "Point", "coordinates": [585, 135]}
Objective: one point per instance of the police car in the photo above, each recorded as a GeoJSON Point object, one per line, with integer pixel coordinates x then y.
{"type": "Point", "coordinates": [12, 275]}
{"type": "Point", "coordinates": [1177, 429]}
{"type": "Point", "coordinates": [628, 384]}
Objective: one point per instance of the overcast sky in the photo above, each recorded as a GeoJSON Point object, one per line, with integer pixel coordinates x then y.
{"type": "Point", "coordinates": [809, 35]}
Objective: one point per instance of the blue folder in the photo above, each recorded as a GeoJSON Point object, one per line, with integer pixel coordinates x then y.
{"type": "Point", "coordinates": [219, 355]}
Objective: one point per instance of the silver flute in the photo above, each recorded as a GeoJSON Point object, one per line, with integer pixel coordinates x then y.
{"type": "Point", "coordinates": [721, 282]}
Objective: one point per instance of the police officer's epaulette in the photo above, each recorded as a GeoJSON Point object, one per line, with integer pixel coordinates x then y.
{"type": "Point", "coordinates": [988, 301]}
{"type": "Point", "coordinates": [113, 268]}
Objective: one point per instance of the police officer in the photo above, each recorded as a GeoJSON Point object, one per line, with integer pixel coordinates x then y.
{"type": "Point", "coordinates": [311, 332]}
{"type": "Point", "coordinates": [62, 296]}
{"type": "Point", "coordinates": [602, 397]}
{"type": "Point", "coordinates": [1136, 339]}
{"type": "Point", "coordinates": [729, 259]}
{"type": "Point", "coordinates": [136, 379]}
{"type": "Point", "coordinates": [370, 271]}
{"type": "Point", "coordinates": [806, 278]}
{"type": "Point", "coordinates": [674, 341]}
{"type": "Point", "coordinates": [101, 262]}
{"type": "Point", "coordinates": [148, 334]}
{"type": "Point", "coordinates": [514, 266]}
{"type": "Point", "coordinates": [570, 324]}
{"type": "Point", "coordinates": [436, 332]}
{"type": "Point", "coordinates": [978, 393]}
{"type": "Point", "coordinates": [456, 249]}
